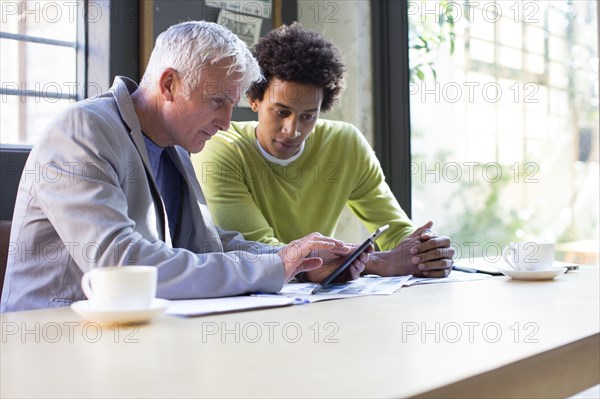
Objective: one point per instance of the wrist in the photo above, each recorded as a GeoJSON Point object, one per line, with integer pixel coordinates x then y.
{"type": "Point", "coordinates": [376, 264]}
{"type": "Point", "coordinates": [386, 264]}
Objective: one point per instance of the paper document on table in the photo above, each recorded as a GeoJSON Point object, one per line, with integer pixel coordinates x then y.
{"type": "Point", "coordinates": [455, 276]}
{"type": "Point", "coordinates": [198, 307]}
{"type": "Point", "coordinates": [291, 294]}
{"type": "Point", "coordinates": [367, 285]}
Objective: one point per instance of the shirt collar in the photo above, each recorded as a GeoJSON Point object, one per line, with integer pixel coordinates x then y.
{"type": "Point", "coordinates": [282, 162]}
{"type": "Point", "coordinates": [154, 153]}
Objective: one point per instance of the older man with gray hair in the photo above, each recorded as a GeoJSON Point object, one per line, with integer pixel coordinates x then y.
{"type": "Point", "coordinates": [118, 187]}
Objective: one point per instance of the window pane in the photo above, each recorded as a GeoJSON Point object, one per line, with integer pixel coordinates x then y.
{"type": "Point", "coordinates": [510, 33]}
{"type": "Point", "coordinates": [510, 57]}
{"type": "Point", "coordinates": [483, 51]}
{"type": "Point", "coordinates": [524, 132]}
{"type": "Point", "coordinates": [24, 118]}
{"type": "Point", "coordinates": [535, 63]}
{"type": "Point", "coordinates": [534, 40]}
{"type": "Point", "coordinates": [46, 70]}
{"type": "Point", "coordinates": [48, 19]}
{"type": "Point", "coordinates": [31, 72]}
{"type": "Point", "coordinates": [480, 29]}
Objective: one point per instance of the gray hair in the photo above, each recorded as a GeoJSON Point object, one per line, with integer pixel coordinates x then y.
{"type": "Point", "coordinates": [190, 46]}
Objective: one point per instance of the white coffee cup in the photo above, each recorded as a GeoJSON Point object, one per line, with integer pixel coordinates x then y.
{"type": "Point", "coordinates": [529, 256]}
{"type": "Point", "coordinates": [120, 288]}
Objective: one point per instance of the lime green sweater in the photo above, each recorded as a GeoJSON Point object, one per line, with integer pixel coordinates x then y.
{"type": "Point", "coordinates": [274, 204]}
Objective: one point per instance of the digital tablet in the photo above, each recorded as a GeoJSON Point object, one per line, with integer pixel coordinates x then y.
{"type": "Point", "coordinates": [351, 258]}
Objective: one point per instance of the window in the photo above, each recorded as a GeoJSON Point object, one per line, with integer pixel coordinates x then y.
{"type": "Point", "coordinates": [41, 43]}
{"type": "Point", "coordinates": [504, 123]}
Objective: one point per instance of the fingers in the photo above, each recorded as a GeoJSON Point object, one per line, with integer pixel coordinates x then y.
{"type": "Point", "coordinates": [352, 272]}
{"type": "Point", "coordinates": [358, 266]}
{"type": "Point", "coordinates": [294, 255]}
{"type": "Point", "coordinates": [309, 264]}
{"type": "Point", "coordinates": [299, 249]}
{"type": "Point", "coordinates": [329, 254]}
{"type": "Point", "coordinates": [436, 273]}
{"type": "Point", "coordinates": [435, 264]}
{"type": "Point", "coordinates": [423, 230]}
{"type": "Point", "coordinates": [436, 255]}
{"type": "Point", "coordinates": [355, 269]}
{"type": "Point", "coordinates": [430, 245]}
{"type": "Point", "coordinates": [340, 248]}
{"type": "Point", "coordinates": [364, 257]}
{"type": "Point", "coordinates": [311, 252]}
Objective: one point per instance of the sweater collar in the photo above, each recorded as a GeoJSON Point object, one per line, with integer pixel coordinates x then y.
{"type": "Point", "coordinates": [282, 162]}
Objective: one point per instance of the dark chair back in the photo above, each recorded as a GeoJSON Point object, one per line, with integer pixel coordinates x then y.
{"type": "Point", "coordinates": [12, 162]}
{"type": "Point", "coordinates": [4, 241]}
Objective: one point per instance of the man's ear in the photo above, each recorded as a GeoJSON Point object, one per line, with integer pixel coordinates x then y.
{"type": "Point", "coordinates": [254, 103]}
{"type": "Point", "coordinates": [167, 83]}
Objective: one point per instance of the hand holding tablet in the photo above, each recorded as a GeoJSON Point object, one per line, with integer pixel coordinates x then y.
{"type": "Point", "coordinates": [351, 258]}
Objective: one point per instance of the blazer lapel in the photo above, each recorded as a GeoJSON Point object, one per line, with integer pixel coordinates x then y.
{"type": "Point", "coordinates": [197, 202]}
{"type": "Point", "coordinates": [122, 89]}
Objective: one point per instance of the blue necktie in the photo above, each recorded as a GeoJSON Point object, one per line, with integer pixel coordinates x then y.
{"type": "Point", "coordinates": [168, 180]}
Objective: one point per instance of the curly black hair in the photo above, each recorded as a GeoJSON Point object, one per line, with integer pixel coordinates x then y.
{"type": "Point", "coordinates": [295, 54]}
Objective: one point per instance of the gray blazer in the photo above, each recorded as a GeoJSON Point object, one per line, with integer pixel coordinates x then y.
{"type": "Point", "coordinates": [87, 199]}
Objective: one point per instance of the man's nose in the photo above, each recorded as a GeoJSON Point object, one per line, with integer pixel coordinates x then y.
{"type": "Point", "coordinates": [290, 126]}
{"type": "Point", "coordinates": [223, 119]}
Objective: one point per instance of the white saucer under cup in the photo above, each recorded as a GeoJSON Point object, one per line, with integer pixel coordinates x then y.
{"type": "Point", "coordinates": [88, 311]}
{"type": "Point", "coordinates": [535, 275]}
{"type": "Point", "coordinates": [120, 288]}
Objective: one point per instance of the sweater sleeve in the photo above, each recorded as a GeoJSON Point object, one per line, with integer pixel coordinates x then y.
{"type": "Point", "coordinates": [371, 199]}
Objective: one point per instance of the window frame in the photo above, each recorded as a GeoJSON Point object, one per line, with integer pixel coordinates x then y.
{"type": "Point", "coordinates": [392, 106]}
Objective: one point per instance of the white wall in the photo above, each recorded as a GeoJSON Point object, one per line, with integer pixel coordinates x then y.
{"type": "Point", "coordinates": [348, 24]}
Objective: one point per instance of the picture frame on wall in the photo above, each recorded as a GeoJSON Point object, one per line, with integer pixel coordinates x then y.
{"type": "Point", "coordinates": [157, 15]}
{"type": "Point", "coordinates": [261, 8]}
{"type": "Point", "coordinates": [246, 27]}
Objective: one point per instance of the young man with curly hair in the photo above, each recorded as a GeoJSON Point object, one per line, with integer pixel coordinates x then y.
{"type": "Point", "coordinates": [291, 173]}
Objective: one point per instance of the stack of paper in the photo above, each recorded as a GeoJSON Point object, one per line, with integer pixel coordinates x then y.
{"type": "Point", "coordinates": [454, 277]}
{"type": "Point", "coordinates": [199, 307]}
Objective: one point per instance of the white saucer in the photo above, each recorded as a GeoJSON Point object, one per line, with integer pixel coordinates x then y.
{"type": "Point", "coordinates": [87, 311]}
{"type": "Point", "coordinates": [547, 274]}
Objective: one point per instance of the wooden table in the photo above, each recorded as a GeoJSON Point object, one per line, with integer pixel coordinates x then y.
{"type": "Point", "coordinates": [489, 338]}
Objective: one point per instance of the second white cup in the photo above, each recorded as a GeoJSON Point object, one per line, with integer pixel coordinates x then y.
{"type": "Point", "coordinates": [529, 256]}
{"type": "Point", "coordinates": [120, 288]}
